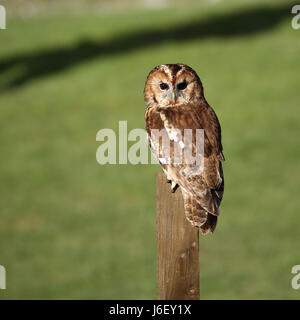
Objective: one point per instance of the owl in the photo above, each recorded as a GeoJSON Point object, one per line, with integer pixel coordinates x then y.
{"type": "Point", "coordinates": [176, 104]}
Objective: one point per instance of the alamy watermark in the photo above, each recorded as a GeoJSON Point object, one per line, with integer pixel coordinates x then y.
{"type": "Point", "coordinates": [296, 18]}
{"type": "Point", "coordinates": [2, 17]}
{"type": "Point", "coordinates": [296, 279]}
{"type": "Point", "coordinates": [2, 278]}
{"type": "Point", "coordinates": [171, 145]}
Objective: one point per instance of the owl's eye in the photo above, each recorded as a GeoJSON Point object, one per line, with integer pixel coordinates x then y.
{"type": "Point", "coordinates": [164, 86]}
{"type": "Point", "coordinates": [181, 85]}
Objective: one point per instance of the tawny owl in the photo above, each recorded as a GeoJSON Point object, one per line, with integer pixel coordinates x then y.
{"type": "Point", "coordinates": [175, 102]}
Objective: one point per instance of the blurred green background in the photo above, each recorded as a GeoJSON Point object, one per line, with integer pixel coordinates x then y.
{"type": "Point", "coordinates": [72, 229]}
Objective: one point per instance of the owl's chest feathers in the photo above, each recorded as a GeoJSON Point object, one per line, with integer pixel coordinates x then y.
{"type": "Point", "coordinates": [173, 119]}
{"type": "Point", "coordinates": [173, 133]}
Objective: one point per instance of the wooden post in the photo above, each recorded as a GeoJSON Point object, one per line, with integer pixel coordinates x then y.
{"type": "Point", "coordinates": [177, 246]}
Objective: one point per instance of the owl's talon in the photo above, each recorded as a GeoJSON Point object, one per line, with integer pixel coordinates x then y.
{"type": "Point", "coordinates": [174, 186]}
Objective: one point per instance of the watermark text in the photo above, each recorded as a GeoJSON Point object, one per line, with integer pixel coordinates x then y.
{"type": "Point", "coordinates": [169, 146]}
{"type": "Point", "coordinates": [2, 278]}
{"type": "Point", "coordinates": [2, 17]}
{"type": "Point", "coordinates": [296, 18]}
{"type": "Point", "coordinates": [296, 279]}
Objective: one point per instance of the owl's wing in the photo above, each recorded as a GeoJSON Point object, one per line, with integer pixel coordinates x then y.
{"type": "Point", "coordinates": [209, 121]}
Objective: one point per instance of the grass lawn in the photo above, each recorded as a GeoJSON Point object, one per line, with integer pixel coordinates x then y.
{"type": "Point", "coordinates": [72, 229]}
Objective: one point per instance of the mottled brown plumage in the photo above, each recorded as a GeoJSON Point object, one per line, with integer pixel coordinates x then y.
{"type": "Point", "coordinates": [175, 102]}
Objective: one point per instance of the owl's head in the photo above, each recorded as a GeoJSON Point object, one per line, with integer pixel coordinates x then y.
{"type": "Point", "coordinates": [171, 85]}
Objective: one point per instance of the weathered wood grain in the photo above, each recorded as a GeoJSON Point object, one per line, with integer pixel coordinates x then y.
{"type": "Point", "coordinates": [177, 246]}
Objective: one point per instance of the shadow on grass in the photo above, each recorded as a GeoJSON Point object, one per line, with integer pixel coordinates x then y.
{"type": "Point", "coordinates": [237, 24]}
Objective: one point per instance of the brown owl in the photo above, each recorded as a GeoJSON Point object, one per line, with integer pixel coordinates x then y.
{"type": "Point", "coordinates": [175, 102]}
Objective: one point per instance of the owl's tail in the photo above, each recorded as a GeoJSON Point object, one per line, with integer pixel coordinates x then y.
{"type": "Point", "coordinates": [210, 224]}
{"type": "Point", "coordinates": [197, 215]}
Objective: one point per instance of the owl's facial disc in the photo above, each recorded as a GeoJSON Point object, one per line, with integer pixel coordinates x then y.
{"type": "Point", "coordinates": [172, 94]}
{"type": "Point", "coordinates": [172, 85]}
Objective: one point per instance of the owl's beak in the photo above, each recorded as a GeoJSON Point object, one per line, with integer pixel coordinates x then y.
{"type": "Point", "coordinates": [172, 97]}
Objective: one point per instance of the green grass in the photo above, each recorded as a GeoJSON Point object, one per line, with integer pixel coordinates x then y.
{"type": "Point", "coordinates": [70, 228]}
